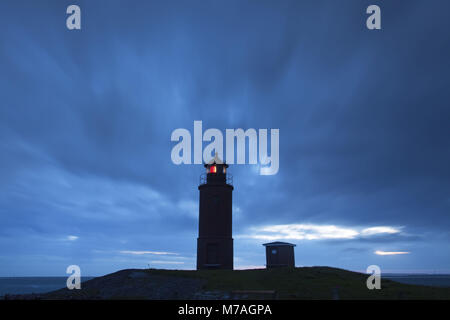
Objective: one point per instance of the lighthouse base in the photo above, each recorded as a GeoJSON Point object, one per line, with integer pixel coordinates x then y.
{"type": "Point", "coordinates": [214, 253]}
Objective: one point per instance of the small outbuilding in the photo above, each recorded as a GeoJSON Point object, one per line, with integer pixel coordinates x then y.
{"type": "Point", "coordinates": [279, 254]}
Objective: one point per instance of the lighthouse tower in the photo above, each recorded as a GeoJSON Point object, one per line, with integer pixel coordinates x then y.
{"type": "Point", "coordinates": [215, 242]}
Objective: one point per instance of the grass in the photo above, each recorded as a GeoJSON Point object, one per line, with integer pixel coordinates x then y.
{"type": "Point", "coordinates": [307, 283]}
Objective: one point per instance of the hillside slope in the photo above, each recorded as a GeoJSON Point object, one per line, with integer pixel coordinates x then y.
{"type": "Point", "coordinates": [283, 283]}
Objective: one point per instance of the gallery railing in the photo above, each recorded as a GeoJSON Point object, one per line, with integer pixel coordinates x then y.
{"type": "Point", "coordinates": [228, 179]}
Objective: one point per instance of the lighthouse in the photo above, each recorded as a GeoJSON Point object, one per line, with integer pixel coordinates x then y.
{"type": "Point", "coordinates": [215, 240]}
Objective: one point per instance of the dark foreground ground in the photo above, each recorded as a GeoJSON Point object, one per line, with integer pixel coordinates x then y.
{"type": "Point", "coordinates": [283, 283]}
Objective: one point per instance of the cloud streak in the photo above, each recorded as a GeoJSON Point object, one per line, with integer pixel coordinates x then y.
{"type": "Point", "coordinates": [166, 262]}
{"type": "Point", "coordinates": [390, 253]}
{"type": "Point", "coordinates": [315, 232]}
{"type": "Point", "coordinates": [148, 252]}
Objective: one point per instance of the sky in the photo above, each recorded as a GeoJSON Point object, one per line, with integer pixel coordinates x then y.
{"type": "Point", "coordinates": [86, 117]}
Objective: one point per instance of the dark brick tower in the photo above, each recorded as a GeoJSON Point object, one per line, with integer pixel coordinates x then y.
{"type": "Point", "coordinates": [215, 242]}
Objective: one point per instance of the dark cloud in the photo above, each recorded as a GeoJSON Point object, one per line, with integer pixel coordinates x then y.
{"type": "Point", "coordinates": [86, 118]}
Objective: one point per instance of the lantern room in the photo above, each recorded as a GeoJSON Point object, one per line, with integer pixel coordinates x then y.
{"type": "Point", "coordinates": [216, 172]}
{"type": "Point", "coordinates": [216, 166]}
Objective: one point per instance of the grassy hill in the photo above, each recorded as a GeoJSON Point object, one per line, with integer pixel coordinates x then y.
{"type": "Point", "coordinates": [287, 283]}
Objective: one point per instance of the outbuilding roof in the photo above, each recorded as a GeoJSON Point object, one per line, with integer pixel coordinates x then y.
{"type": "Point", "coordinates": [278, 243]}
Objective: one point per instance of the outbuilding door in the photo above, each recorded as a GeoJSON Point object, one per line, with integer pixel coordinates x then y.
{"type": "Point", "coordinates": [274, 256]}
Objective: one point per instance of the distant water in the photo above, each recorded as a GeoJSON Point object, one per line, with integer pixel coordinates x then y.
{"type": "Point", "coordinates": [434, 280]}
{"type": "Point", "coordinates": [23, 285]}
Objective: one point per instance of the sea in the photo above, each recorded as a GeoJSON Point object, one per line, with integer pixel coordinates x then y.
{"type": "Point", "coordinates": [24, 285]}
{"type": "Point", "coordinates": [434, 280]}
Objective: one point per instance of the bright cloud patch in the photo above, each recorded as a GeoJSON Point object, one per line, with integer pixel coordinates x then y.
{"type": "Point", "coordinates": [250, 267]}
{"type": "Point", "coordinates": [148, 252]}
{"type": "Point", "coordinates": [72, 238]}
{"type": "Point", "coordinates": [314, 232]}
{"type": "Point", "coordinates": [166, 262]}
{"type": "Point", "coordinates": [377, 230]}
{"type": "Point", "coordinates": [390, 253]}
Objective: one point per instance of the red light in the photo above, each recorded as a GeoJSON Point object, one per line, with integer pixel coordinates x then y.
{"type": "Point", "coordinates": [213, 169]}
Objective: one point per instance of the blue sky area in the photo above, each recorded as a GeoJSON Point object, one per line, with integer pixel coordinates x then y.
{"type": "Point", "coordinates": [86, 117]}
